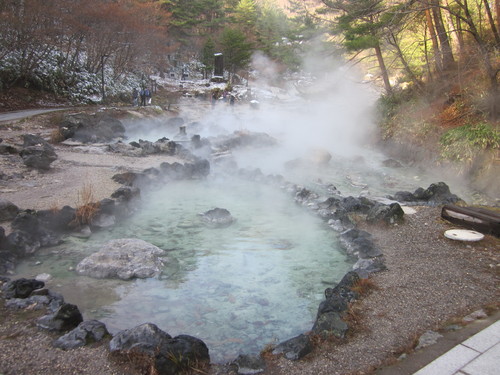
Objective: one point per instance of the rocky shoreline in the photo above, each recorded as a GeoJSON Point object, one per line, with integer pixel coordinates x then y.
{"type": "Point", "coordinates": [338, 211]}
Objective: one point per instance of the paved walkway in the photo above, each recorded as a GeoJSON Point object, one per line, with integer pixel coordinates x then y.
{"type": "Point", "coordinates": [471, 350]}
{"type": "Point", "coordinates": [478, 355]}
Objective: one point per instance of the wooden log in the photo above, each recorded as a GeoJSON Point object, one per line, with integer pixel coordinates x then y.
{"type": "Point", "coordinates": [480, 219]}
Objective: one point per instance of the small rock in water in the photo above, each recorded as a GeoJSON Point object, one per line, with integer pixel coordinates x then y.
{"type": "Point", "coordinates": [43, 277]}
{"type": "Point", "coordinates": [428, 338]}
{"type": "Point", "coordinates": [479, 314]}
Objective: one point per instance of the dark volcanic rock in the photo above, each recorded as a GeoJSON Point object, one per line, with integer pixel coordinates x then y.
{"type": "Point", "coordinates": [145, 338]}
{"type": "Point", "coordinates": [249, 364]}
{"type": "Point", "coordinates": [37, 153]}
{"type": "Point", "coordinates": [294, 348]}
{"type": "Point", "coordinates": [435, 195]}
{"type": "Point", "coordinates": [86, 128]}
{"type": "Point", "coordinates": [64, 318]}
{"type": "Point", "coordinates": [125, 193]}
{"type": "Point", "coordinates": [21, 288]}
{"type": "Point", "coordinates": [8, 210]}
{"type": "Point", "coordinates": [388, 214]}
{"type": "Point", "coordinates": [179, 353]}
{"type": "Point", "coordinates": [330, 323]}
{"type": "Point", "coordinates": [87, 332]}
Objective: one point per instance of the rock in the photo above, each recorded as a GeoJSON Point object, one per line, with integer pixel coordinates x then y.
{"type": "Point", "coordinates": [436, 194]}
{"type": "Point", "coordinates": [359, 243]}
{"type": "Point", "coordinates": [44, 277]}
{"type": "Point", "coordinates": [217, 218]}
{"type": "Point", "coordinates": [364, 267]}
{"type": "Point", "coordinates": [241, 139]}
{"type": "Point", "coordinates": [126, 178]}
{"type": "Point", "coordinates": [294, 348]}
{"type": "Point", "coordinates": [123, 259]}
{"type": "Point", "coordinates": [125, 193]}
{"type": "Point", "coordinates": [479, 314]}
{"type": "Point", "coordinates": [319, 156]}
{"type": "Point", "coordinates": [103, 221]}
{"type": "Point", "coordinates": [392, 163]}
{"type": "Point", "coordinates": [344, 288]}
{"type": "Point", "coordinates": [8, 210]}
{"type": "Point", "coordinates": [37, 153]}
{"type": "Point", "coordinates": [87, 332]}
{"type": "Point", "coordinates": [58, 220]}
{"type": "Point", "coordinates": [427, 339]}
{"type": "Point", "coordinates": [248, 365]}
{"type": "Point", "coordinates": [178, 354]}
{"type": "Point", "coordinates": [145, 338]}
{"type": "Point", "coordinates": [334, 303]}
{"type": "Point", "coordinates": [86, 128]}
{"type": "Point", "coordinates": [33, 302]}
{"type": "Point", "coordinates": [388, 214]}
{"type": "Point", "coordinates": [330, 323]}
{"type": "Point", "coordinates": [65, 318]}
{"type": "Point", "coordinates": [21, 288]}
{"type": "Point", "coordinates": [8, 149]}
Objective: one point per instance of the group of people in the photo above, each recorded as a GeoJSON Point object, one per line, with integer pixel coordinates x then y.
{"type": "Point", "coordinates": [144, 94]}
{"type": "Point", "coordinates": [226, 96]}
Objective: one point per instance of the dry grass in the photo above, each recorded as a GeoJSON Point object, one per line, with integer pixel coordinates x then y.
{"type": "Point", "coordinates": [86, 207]}
{"type": "Point", "coordinates": [364, 286]}
{"type": "Point", "coordinates": [56, 136]}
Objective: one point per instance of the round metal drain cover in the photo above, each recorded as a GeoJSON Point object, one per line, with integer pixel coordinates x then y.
{"type": "Point", "coordinates": [463, 235]}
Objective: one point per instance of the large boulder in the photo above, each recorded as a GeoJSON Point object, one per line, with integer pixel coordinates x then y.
{"type": "Point", "coordinates": [217, 218]}
{"type": "Point", "coordinates": [388, 214]}
{"type": "Point", "coordinates": [8, 210]}
{"type": "Point", "coordinates": [170, 355]}
{"type": "Point", "coordinates": [123, 259]}
{"type": "Point", "coordinates": [37, 153]}
{"type": "Point", "coordinates": [145, 338]}
{"type": "Point", "coordinates": [180, 353]}
{"type": "Point", "coordinates": [65, 318]}
{"type": "Point", "coordinates": [294, 348]}
{"type": "Point", "coordinates": [87, 332]}
{"type": "Point", "coordinates": [86, 128]}
{"type": "Point", "coordinates": [436, 194]}
{"type": "Point", "coordinates": [21, 288]}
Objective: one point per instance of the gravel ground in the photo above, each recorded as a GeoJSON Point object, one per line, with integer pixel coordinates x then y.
{"type": "Point", "coordinates": [430, 282]}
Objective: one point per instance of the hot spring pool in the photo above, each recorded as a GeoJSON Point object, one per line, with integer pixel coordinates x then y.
{"type": "Point", "coordinates": [238, 288]}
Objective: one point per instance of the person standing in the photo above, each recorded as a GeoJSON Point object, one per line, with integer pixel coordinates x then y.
{"type": "Point", "coordinates": [143, 97]}
{"type": "Point", "coordinates": [135, 97]}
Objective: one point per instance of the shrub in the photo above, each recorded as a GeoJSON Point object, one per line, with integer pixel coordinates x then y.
{"type": "Point", "coordinates": [462, 144]}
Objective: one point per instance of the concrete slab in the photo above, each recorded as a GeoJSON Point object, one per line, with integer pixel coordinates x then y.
{"type": "Point", "coordinates": [451, 362]}
{"type": "Point", "coordinates": [485, 339]}
{"type": "Point", "coordinates": [486, 364]}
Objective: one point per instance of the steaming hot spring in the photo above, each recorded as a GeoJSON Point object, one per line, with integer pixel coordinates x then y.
{"type": "Point", "coordinates": [259, 278]}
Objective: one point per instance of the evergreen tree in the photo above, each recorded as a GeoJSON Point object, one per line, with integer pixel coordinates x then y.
{"type": "Point", "coordinates": [236, 49]}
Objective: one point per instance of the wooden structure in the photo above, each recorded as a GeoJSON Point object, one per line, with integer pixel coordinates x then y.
{"type": "Point", "coordinates": [480, 219]}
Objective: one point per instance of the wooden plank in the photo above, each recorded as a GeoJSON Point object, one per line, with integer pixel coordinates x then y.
{"type": "Point", "coordinates": [480, 219]}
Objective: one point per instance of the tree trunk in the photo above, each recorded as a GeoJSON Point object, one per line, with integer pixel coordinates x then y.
{"type": "Point", "coordinates": [491, 21]}
{"type": "Point", "coordinates": [497, 11]}
{"type": "Point", "coordinates": [435, 44]}
{"type": "Point", "coordinates": [393, 41]}
{"type": "Point", "coordinates": [447, 53]}
{"type": "Point", "coordinates": [491, 72]}
{"type": "Point", "coordinates": [383, 69]}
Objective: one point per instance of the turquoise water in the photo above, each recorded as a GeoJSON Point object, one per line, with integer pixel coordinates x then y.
{"type": "Point", "coordinates": [238, 288]}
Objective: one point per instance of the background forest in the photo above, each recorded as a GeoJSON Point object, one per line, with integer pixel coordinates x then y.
{"type": "Point", "coordinates": [436, 62]}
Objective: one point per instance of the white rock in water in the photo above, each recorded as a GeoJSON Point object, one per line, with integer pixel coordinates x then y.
{"type": "Point", "coordinates": [123, 259]}
{"type": "Point", "coordinates": [43, 277]}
